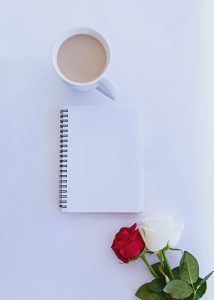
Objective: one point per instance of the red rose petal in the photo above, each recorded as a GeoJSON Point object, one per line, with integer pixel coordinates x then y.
{"type": "Point", "coordinates": [128, 243]}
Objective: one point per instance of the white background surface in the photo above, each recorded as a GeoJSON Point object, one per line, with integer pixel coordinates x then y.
{"type": "Point", "coordinates": [158, 49]}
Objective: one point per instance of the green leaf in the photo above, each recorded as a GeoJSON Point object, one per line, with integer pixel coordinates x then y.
{"type": "Point", "coordinates": [189, 268]}
{"type": "Point", "coordinates": [201, 286]}
{"type": "Point", "coordinates": [178, 289]}
{"type": "Point", "coordinates": [156, 285]}
{"type": "Point", "coordinates": [201, 290]}
{"type": "Point", "coordinates": [145, 293]}
{"type": "Point", "coordinates": [206, 278]}
{"type": "Point", "coordinates": [161, 272]}
{"type": "Point", "coordinates": [157, 268]}
{"type": "Point", "coordinates": [197, 283]}
{"type": "Point", "coordinates": [192, 297]}
{"type": "Point", "coordinates": [176, 273]}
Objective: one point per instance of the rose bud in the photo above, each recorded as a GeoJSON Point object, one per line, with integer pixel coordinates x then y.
{"type": "Point", "coordinates": [128, 243]}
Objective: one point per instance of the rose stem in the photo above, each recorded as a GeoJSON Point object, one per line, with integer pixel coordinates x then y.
{"type": "Point", "coordinates": [167, 265]}
{"type": "Point", "coordinates": [143, 257]}
{"type": "Point", "coordinates": [160, 257]}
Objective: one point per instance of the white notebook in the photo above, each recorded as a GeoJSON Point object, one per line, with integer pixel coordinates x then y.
{"type": "Point", "coordinates": [101, 158]}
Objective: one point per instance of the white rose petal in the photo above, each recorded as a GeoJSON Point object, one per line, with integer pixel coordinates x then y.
{"type": "Point", "coordinates": [160, 230]}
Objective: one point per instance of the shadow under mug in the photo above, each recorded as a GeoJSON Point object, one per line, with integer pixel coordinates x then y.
{"type": "Point", "coordinates": [102, 83]}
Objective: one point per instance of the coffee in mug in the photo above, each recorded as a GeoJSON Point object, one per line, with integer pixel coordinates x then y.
{"type": "Point", "coordinates": [81, 57]}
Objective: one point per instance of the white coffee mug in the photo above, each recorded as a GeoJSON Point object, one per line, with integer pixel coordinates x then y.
{"type": "Point", "coordinates": [102, 83]}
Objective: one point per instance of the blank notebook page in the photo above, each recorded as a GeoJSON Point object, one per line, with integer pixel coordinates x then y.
{"type": "Point", "coordinates": [104, 159]}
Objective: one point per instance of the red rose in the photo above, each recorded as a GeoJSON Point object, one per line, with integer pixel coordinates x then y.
{"type": "Point", "coordinates": [128, 243]}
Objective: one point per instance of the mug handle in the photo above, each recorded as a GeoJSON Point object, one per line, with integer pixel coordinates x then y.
{"type": "Point", "coordinates": [107, 87]}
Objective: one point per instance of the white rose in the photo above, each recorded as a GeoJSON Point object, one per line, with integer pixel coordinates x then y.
{"type": "Point", "coordinates": [160, 230]}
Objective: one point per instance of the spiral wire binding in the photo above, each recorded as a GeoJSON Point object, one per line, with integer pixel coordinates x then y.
{"type": "Point", "coordinates": [63, 158]}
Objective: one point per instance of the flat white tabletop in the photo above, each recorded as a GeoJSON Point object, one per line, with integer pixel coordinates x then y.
{"type": "Point", "coordinates": [156, 60]}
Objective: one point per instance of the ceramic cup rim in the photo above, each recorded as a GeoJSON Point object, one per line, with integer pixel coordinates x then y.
{"type": "Point", "coordinates": [69, 33]}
